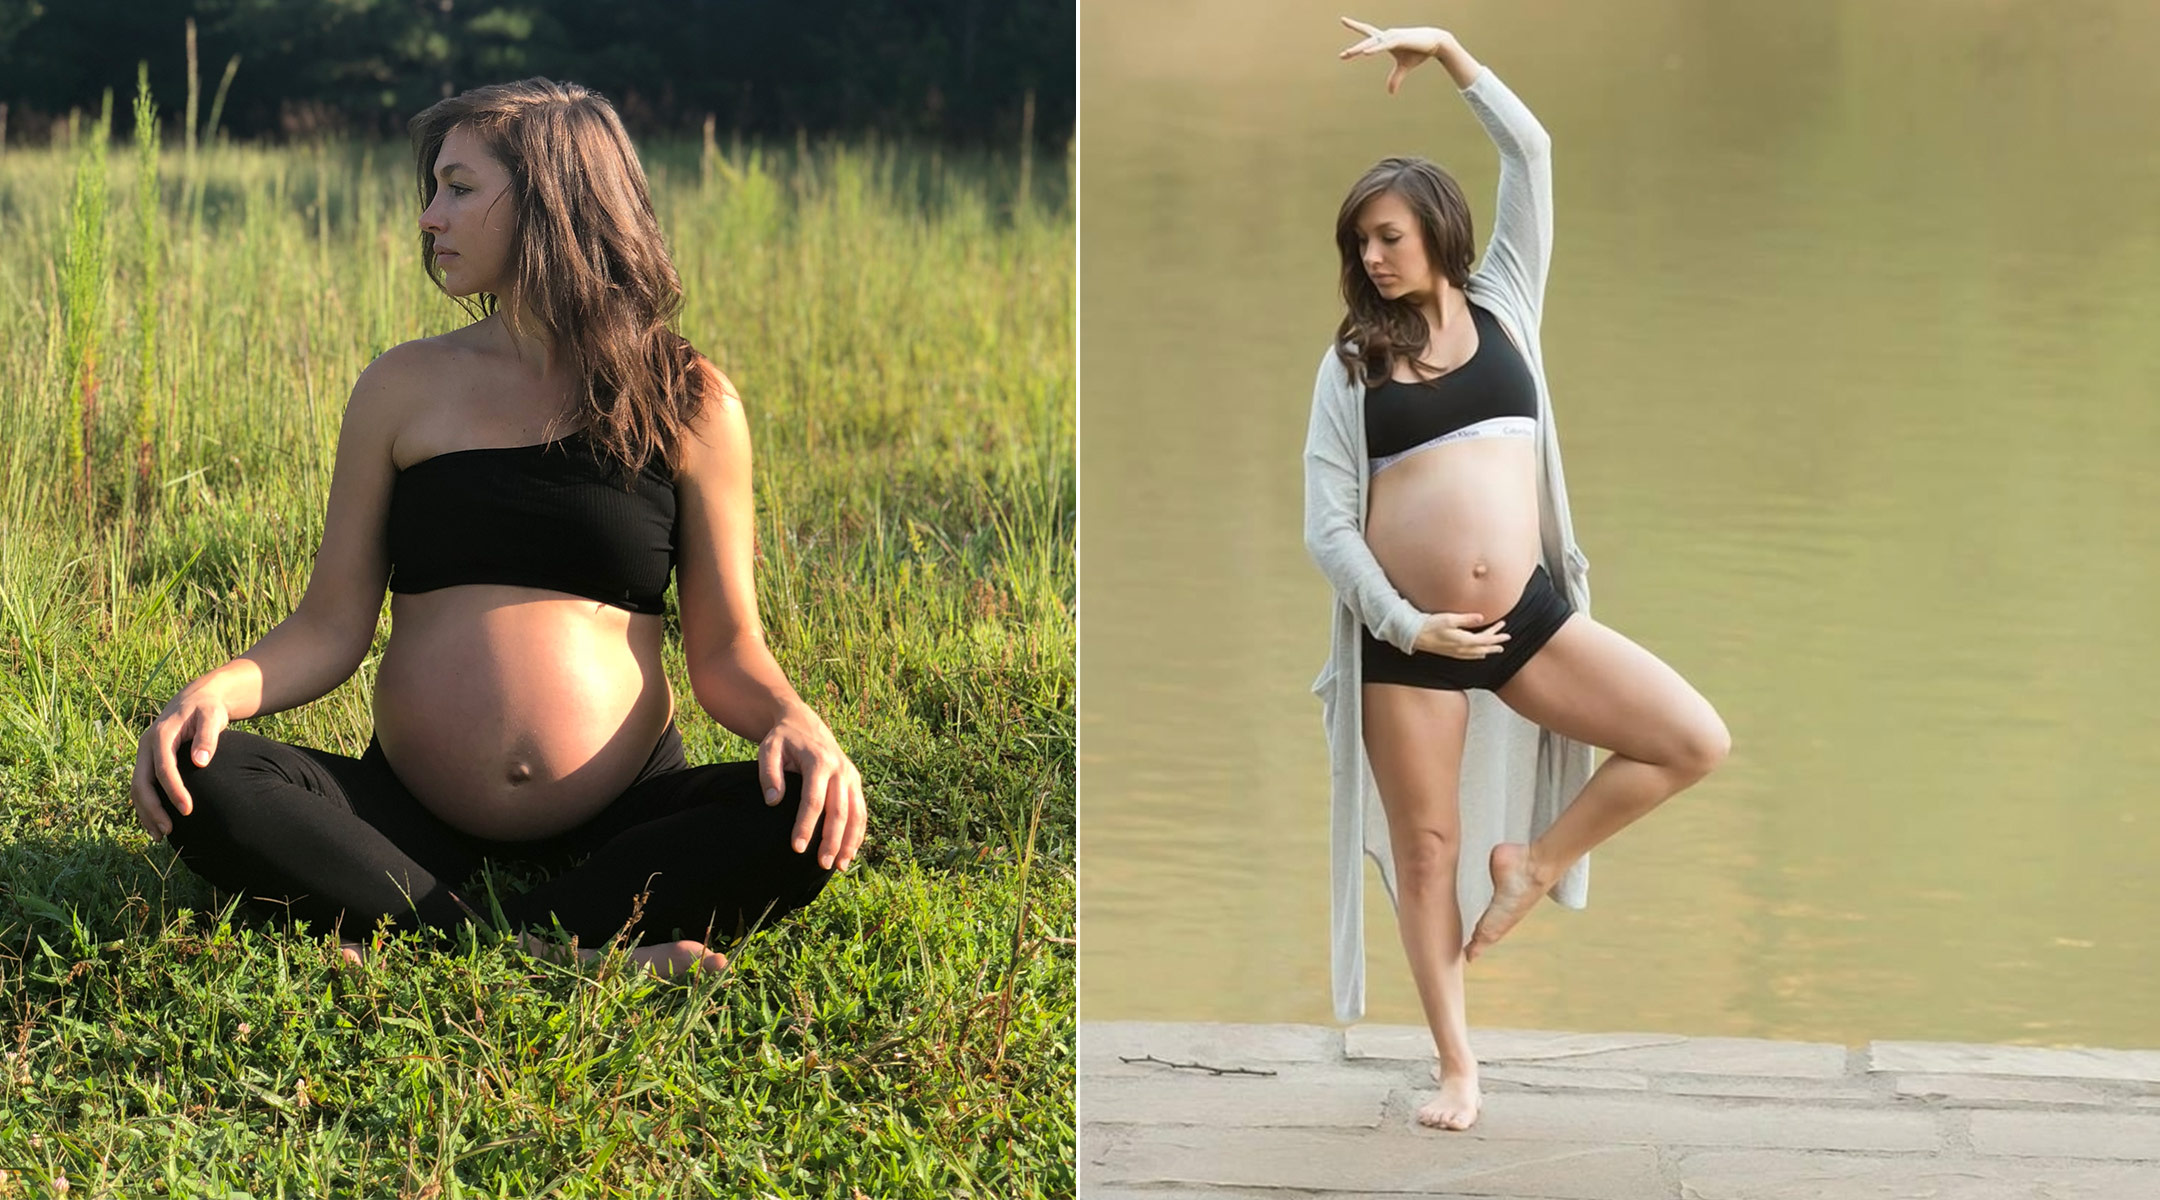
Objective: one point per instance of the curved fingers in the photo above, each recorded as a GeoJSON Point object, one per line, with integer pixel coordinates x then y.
{"type": "Point", "coordinates": [144, 794]}
{"type": "Point", "coordinates": [817, 777]}
{"type": "Point", "coordinates": [858, 817]}
{"type": "Point", "coordinates": [166, 768]}
{"type": "Point", "coordinates": [839, 815]}
{"type": "Point", "coordinates": [771, 756]}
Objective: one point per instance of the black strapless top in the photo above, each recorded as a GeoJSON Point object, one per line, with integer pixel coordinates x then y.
{"type": "Point", "coordinates": [552, 515]}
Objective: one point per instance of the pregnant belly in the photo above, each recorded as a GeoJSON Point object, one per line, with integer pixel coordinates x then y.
{"type": "Point", "coordinates": [515, 713]}
{"type": "Point", "coordinates": [1456, 527]}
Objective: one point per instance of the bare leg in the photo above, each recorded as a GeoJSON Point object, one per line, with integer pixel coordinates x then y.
{"type": "Point", "coordinates": [1414, 738]}
{"type": "Point", "coordinates": [1591, 684]}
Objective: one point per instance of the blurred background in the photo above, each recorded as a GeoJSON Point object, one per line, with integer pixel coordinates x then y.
{"type": "Point", "coordinates": [950, 70]}
{"type": "Point", "coordinates": [1849, 334]}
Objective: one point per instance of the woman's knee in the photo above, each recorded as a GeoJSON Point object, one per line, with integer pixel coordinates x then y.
{"type": "Point", "coordinates": [1702, 744]}
{"type": "Point", "coordinates": [1426, 856]}
{"type": "Point", "coordinates": [211, 789]}
{"type": "Point", "coordinates": [230, 791]}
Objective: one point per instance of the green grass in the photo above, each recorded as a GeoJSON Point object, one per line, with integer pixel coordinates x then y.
{"type": "Point", "coordinates": [902, 334]}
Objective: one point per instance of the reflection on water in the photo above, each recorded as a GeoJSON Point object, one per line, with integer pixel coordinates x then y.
{"type": "Point", "coordinates": [1850, 336]}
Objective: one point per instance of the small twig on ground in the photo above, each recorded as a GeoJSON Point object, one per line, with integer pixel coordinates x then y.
{"type": "Point", "coordinates": [1193, 1066]}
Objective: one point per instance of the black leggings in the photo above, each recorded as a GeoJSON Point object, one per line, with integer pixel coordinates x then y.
{"type": "Point", "coordinates": [325, 836]}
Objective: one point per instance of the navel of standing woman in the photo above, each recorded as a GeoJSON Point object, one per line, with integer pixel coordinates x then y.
{"type": "Point", "coordinates": [524, 486]}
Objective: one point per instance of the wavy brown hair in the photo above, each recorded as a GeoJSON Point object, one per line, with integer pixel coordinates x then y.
{"type": "Point", "coordinates": [1375, 331]}
{"type": "Point", "coordinates": [589, 266]}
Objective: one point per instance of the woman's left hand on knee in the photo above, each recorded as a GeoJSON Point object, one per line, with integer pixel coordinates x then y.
{"type": "Point", "coordinates": [832, 787]}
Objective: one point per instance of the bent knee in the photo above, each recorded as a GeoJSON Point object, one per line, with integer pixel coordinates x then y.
{"type": "Point", "coordinates": [1702, 746]}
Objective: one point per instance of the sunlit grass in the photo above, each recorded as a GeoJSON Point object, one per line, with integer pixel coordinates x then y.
{"type": "Point", "coordinates": [903, 340]}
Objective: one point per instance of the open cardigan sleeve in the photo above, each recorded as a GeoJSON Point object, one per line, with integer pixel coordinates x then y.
{"type": "Point", "coordinates": [1520, 251]}
{"type": "Point", "coordinates": [1334, 475]}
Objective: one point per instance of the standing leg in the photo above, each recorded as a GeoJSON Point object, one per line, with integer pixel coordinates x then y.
{"type": "Point", "coordinates": [696, 853]}
{"type": "Point", "coordinates": [1414, 739]}
{"type": "Point", "coordinates": [1591, 684]}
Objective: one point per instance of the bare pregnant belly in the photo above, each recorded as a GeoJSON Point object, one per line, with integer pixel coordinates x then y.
{"type": "Point", "coordinates": [515, 713]}
{"type": "Point", "coordinates": [1456, 527]}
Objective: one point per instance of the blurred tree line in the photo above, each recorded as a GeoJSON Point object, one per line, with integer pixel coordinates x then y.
{"type": "Point", "coordinates": [955, 71]}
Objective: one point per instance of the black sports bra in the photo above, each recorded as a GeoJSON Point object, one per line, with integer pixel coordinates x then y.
{"type": "Point", "coordinates": [552, 515]}
{"type": "Point", "coordinates": [1490, 395]}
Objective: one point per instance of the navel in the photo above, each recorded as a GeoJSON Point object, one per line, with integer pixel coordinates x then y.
{"type": "Point", "coordinates": [1477, 570]}
{"type": "Point", "coordinates": [520, 772]}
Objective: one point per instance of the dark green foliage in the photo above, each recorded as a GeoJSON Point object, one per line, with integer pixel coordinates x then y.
{"type": "Point", "coordinates": [951, 70]}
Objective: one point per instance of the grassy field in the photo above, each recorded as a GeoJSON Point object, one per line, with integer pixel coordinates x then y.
{"type": "Point", "coordinates": [174, 359]}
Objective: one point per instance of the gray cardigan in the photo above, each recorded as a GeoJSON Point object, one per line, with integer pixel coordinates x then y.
{"type": "Point", "coordinates": [1516, 777]}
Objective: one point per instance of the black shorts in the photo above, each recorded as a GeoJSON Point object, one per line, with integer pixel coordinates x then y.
{"type": "Point", "coordinates": [1530, 624]}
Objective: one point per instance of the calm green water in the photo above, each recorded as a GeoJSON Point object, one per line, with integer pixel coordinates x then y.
{"type": "Point", "coordinates": [1851, 332]}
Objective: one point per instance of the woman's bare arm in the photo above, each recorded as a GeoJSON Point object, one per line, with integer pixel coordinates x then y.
{"type": "Point", "coordinates": [732, 672]}
{"type": "Point", "coordinates": [322, 642]}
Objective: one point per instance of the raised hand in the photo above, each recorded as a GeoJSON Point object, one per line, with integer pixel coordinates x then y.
{"type": "Point", "coordinates": [1410, 46]}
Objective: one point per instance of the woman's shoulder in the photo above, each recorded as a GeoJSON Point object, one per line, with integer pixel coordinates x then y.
{"type": "Point", "coordinates": [709, 384]}
{"type": "Point", "coordinates": [422, 363]}
{"type": "Point", "coordinates": [717, 428]}
{"type": "Point", "coordinates": [390, 388]}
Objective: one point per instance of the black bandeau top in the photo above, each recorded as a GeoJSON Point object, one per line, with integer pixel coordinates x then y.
{"type": "Point", "coordinates": [553, 515]}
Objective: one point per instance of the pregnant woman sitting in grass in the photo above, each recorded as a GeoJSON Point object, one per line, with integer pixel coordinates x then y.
{"type": "Point", "coordinates": [524, 485]}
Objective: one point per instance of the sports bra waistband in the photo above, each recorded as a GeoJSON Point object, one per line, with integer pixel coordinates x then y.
{"type": "Point", "coordinates": [1492, 427]}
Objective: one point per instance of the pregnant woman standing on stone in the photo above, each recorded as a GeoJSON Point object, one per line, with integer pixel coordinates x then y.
{"type": "Point", "coordinates": [524, 486]}
{"type": "Point", "coordinates": [1435, 505]}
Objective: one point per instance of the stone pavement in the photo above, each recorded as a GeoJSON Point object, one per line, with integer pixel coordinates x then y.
{"type": "Point", "coordinates": [1608, 1116]}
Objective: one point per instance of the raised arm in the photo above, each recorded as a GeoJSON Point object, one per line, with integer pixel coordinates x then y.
{"type": "Point", "coordinates": [1520, 251]}
{"type": "Point", "coordinates": [1332, 468]}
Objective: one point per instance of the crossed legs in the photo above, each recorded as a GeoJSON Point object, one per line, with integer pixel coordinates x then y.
{"type": "Point", "coordinates": [1588, 683]}
{"type": "Point", "coordinates": [689, 850]}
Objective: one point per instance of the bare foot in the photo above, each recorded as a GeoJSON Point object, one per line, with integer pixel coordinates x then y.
{"type": "Point", "coordinates": [670, 959]}
{"type": "Point", "coordinates": [1456, 1107]}
{"type": "Point", "coordinates": [666, 960]}
{"type": "Point", "coordinates": [351, 951]}
{"type": "Point", "coordinates": [1515, 892]}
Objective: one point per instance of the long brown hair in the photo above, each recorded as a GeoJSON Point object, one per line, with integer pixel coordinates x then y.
{"type": "Point", "coordinates": [590, 267]}
{"type": "Point", "coordinates": [1375, 331]}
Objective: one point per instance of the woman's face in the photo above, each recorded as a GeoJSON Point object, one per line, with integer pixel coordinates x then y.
{"type": "Point", "coordinates": [1393, 249]}
{"type": "Point", "coordinates": [471, 216]}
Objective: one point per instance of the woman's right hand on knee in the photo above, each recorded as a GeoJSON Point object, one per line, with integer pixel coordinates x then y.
{"type": "Point", "coordinates": [193, 719]}
{"type": "Point", "coordinates": [1456, 636]}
